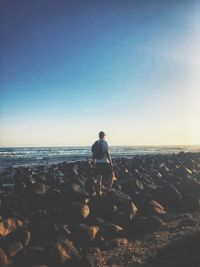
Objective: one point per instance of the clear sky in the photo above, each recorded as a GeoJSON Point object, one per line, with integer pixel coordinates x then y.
{"type": "Point", "coordinates": [70, 68]}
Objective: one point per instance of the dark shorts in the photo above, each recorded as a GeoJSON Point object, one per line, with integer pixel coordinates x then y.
{"type": "Point", "coordinates": [104, 169]}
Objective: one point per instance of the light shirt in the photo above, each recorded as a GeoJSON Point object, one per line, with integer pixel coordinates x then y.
{"type": "Point", "coordinates": [104, 145]}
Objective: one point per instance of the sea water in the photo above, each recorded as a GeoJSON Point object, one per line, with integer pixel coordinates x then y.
{"type": "Point", "coordinates": [26, 156]}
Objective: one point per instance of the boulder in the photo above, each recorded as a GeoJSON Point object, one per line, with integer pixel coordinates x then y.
{"type": "Point", "coordinates": [54, 197]}
{"type": "Point", "coordinates": [156, 208]}
{"type": "Point", "coordinates": [31, 256]}
{"type": "Point", "coordinates": [74, 192]}
{"type": "Point", "coordinates": [147, 206]}
{"type": "Point", "coordinates": [110, 231]}
{"type": "Point", "coordinates": [188, 203]}
{"type": "Point", "coordinates": [95, 221]}
{"type": "Point", "coordinates": [115, 207]}
{"type": "Point", "coordinates": [3, 258]}
{"type": "Point", "coordinates": [126, 217]}
{"type": "Point", "coordinates": [182, 171]}
{"type": "Point", "coordinates": [167, 195]}
{"type": "Point", "coordinates": [15, 241]}
{"type": "Point", "coordinates": [13, 248]}
{"type": "Point", "coordinates": [133, 185]}
{"type": "Point", "coordinates": [76, 212]}
{"type": "Point", "coordinates": [9, 225]}
{"type": "Point", "coordinates": [40, 188]}
{"type": "Point", "coordinates": [189, 187]}
{"type": "Point", "coordinates": [42, 225]}
{"type": "Point", "coordinates": [82, 234]}
{"type": "Point", "coordinates": [62, 251]}
{"type": "Point", "coordinates": [145, 224]}
{"type": "Point", "coordinates": [71, 170]}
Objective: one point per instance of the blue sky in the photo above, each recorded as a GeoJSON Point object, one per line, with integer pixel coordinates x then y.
{"type": "Point", "coordinates": [71, 68]}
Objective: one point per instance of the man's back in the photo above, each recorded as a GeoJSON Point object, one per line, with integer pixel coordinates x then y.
{"type": "Point", "coordinates": [104, 147]}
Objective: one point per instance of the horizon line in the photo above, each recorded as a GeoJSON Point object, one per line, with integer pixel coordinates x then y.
{"type": "Point", "coordinates": [159, 145]}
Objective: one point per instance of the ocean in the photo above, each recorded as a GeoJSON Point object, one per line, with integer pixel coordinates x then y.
{"type": "Point", "coordinates": [27, 156]}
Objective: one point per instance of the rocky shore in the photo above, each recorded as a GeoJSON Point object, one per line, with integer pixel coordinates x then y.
{"type": "Point", "coordinates": [50, 216]}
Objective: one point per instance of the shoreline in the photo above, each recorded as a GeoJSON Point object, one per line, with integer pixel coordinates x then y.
{"type": "Point", "coordinates": [51, 160]}
{"type": "Point", "coordinates": [49, 155]}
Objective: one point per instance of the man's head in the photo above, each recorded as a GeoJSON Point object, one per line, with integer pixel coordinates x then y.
{"type": "Point", "coordinates": [102, 135]}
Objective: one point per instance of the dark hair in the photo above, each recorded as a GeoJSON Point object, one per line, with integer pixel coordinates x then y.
{"type": "Point", "coordinates": [101, 134]}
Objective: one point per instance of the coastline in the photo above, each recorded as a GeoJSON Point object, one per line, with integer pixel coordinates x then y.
{"type": "Point", "coordinates": [155, 203]}
{"type": "Point", "coordinates": [32, 156]}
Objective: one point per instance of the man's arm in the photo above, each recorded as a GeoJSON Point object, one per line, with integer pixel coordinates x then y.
{"type": "Point", "coordinates": [107, 153]}
{"type": "Point", "coordinates": [109, 157]}
{"type": "Point", "coordinates": [93, 158]}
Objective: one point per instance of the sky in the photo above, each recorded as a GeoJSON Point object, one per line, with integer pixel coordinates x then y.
{"type": "Point", "coordinates": [70, 68]}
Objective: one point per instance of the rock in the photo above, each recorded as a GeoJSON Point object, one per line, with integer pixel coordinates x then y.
{"type": "Point", "coordinates": [76, 212]}
{"type": "Point", "coordinates": [62, 251]}
{"type": "Point", "coordinates": [9, 225]}
{"type": "Point", "coordinates": [117, 242]}
{"type": "Point", "coordinates": [13, 248]}
{"type": "Point", "coordinates": [163, 170]}
{"type": "Point", "coordinates": [183, 252]}
{"type": "Point", "coordinates": [147, 206]}
{"type": "Point", "coordinates": [189, 187]}
{"type": "Point", "coordinates": [110, 231]}
{"type": "Point", "coordinates": [145, 224]}
{"type": "Point", "coordinates": [40, 188]}
{"type": "Point", "coordinates": [189, 203]}
{"type": "Point", "coordinates": [54, 198]}
{"type": "Point", "coordinates": [93, 250]}
{"type": "Point", "coordinates": [133, 185]}
{"type": "Point", "coordinates": [53, 202]}
{"type": "Point", "coordinates": [101, 207]}
{"type": "Point", "coordinates": [189, 164]}
{"type": "Point", "coordinates": [82, 234]}
{"type": "Point", "coordinates": [18, 216]}
{"type": "Point", "coordinates": [42, 225]}
{"type": "Point", "coordinates": [115, 207]}
{"type": "Point", "coordinates": [99, 241]}
{"type": "Point", "coordinates": [156, 209]}
{"type": "Point", "coordinates": [15, 241]}
{"type": "Point", "coordinates": [19, 235]}
{"type": "Point", "coordinates": [168, 195]}
{"type": "Point", "coordinates": [3, 258]}
{"type": "Point", "coordinates": [95, 221]}
{"type": "Point", "coordinates": [63, 229]}
{"type": "Point", "coordinates": [74, 192]}
{"type": "Point", "coordinates": [30, 256]}
{"type": "Point", "coordinates": [35, 198]}
{"type": "Point", "coordinates": [71, 170]}
{"type": "Point", "coordinates": [182, 171]}
{"type": "Point", "coordinates": [126, 217]}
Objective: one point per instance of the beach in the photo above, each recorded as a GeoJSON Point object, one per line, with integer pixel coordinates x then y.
{"type": "Point", "coordinates": [100, 133]}
{"type": "Point", "coordinates": [51, 215]}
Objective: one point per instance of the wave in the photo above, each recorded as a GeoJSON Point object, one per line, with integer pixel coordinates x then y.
{"type": "Point", "coordinates": [46, 155]}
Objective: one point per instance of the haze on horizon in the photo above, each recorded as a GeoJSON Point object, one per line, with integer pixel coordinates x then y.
{"type": "Point", "coordinates": [69, 69]}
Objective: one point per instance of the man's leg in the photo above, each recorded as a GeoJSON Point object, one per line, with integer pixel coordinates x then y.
{"type": "Point", "coordinates": [111, 176]}
{"type": "Point", "coordinates": [99, 184]}
{"type": "Point", "coordinates": [111, 180]}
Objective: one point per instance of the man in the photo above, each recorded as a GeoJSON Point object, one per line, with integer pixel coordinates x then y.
{"type": "Point", "coordinates": [103, 162]}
